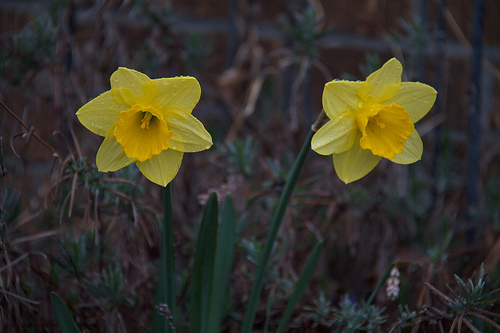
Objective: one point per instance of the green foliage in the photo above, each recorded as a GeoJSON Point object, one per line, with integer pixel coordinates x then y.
{"type": "Point", "coordinates": [417, 34]}
{"type": "Point", "coordinates": [77, 256]}
{"type": "Point", "coordinates": [195, 52]}
{"type": "Point", "coordinates": [222, 267]}
{"type": "Point", "coordinates": [87, 177]}
{"type": "Point", "coordinates": [347, 312]}
{"type": "Point", "coordinates": [406, 317]}
{"type": "Point", "coordinates": [155, 12]}
{"type": "Point", "coordinates": [472, 294]}
{"type": "Point", "coordinates": [241, 156]}
{"type": "Point", "coordinates": [32, 48]}
{"type": "Point", "coordinates": [203, 265]}
{"type": "Point", "coordinates": [110, 288]}
{"type": "Point", "coordinates": [10, 206]}
{"type": "Point", "coordinates": [212, 267]}
{"type": "Point", "coordinates": [305, 28]}
{"type": "Point", "coordinates": [322, 311]}
{"type": "Point", "coordinates": [350, 315]}
{"type": "Point", "coordinates": [65, 320]}
{"type": "Point", "coordinates": [277, 219]}
{"type": "Point", "coordinates": [302, 283]}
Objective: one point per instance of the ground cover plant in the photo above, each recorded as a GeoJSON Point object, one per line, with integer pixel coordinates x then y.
{"type": "Point", "coordinates": [151, 182]}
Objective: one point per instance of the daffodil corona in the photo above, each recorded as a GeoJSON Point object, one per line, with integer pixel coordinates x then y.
{"type": "Point", "coordinates": [146, 121]}
{"type": "Point", "coordinates": [371, 120]}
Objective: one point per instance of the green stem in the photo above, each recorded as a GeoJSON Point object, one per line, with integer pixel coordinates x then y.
{"type": "Point", "coordinates": [273, 231]}
{"type": "Point", "coordinates": [165, 293]}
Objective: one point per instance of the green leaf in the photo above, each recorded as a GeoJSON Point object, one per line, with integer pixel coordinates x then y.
{"type": "Point", "coordinates": [301, 285]}
{"type": "Point", "coordinates": [222, 269]}
{"type": "Point", "coordinates": [64, 318]}
{"type": "Point", "coordinates": [203, 267]}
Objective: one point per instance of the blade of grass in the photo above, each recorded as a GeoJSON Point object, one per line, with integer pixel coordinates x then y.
{"type": "Point", "coordinates": [273, 231]}
{"type": "Point", "coordinates": [66, 322]}
{"type": "Point", "coordinates": [222, 268]}
{"type": "Point", "coordinates": [203, 267]}
{"type": "Point", "coordinates": [165, 289]}
{"type": "Point", "coordinates": [268, 313]}
{"type": "Point", "coordinates": [301, 285]}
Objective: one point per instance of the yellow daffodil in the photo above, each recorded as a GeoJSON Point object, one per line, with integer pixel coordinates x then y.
{"type": "Point", "coordinates": [372, 120]}
{"type": "Point", "coordinates": [146, 121]}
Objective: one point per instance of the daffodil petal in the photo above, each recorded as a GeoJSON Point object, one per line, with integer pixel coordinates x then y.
{"type": "Point", "coordinates": [382, 84]}
{"type": "Point", "coordinates": [181, 92]}
{"type": "Point", "coordinates": [188, 133]}
{"type": "Point", "coordinates": [354, 163]}
{"type": "Point", "coordinates": [412, 152]}
{"type": "Point", "coordinates": [340, 96]}
{"type": "Point", "coordinates": [336, 136]}
{"type": "Point", "coordinates": [129, 79]}
{"type": "Point", "coordinates": [162, 168]}
{"type": "Point", "coordinates": [149, 90]}
{"type": "Point", "coordinates": [100, 114]}
{"type": "Point", "coordinates": [417, 98]}
{"type": "Point", "coordinates": [123, 96]}
{"type": "Point", "coordinates": [110, 156]}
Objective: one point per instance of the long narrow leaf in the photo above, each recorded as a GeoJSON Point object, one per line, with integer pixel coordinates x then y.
{"type": "Point", "coordinates": [165, 289]}
{"type": "Point", "coordinates": [273, 231]}
{"type": "Point", "coordinates": [203, 266]}
{"type": "Point", "coordinates": [301, 285]}
{"type": "Point", "coordinates": [222, 268]}
{"type": "Point", "coordinates": [64, 318]}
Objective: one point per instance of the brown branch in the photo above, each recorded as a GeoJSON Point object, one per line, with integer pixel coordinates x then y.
{"type": "Point", "coordinates": [30, 130]}
{"type": "Point", "coordinates": [486, 312]}
{"type": "Point", "coordinates": [484, 318]}
{"type": "Point", "coordinates": [438, 293]}
{"type": "Point", "coordinates": [471, 327]}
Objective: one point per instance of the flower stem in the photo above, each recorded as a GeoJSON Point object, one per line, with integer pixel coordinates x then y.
{"type": "Point", "coordinates": [273, 231]}
{"type": "Point", "coordinates": [165, 292]}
